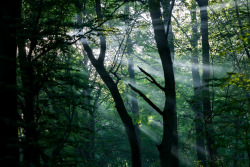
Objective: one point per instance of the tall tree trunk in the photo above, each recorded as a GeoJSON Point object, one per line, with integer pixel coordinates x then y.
{"type": "Point", "coordinates": [31, 153]}
{"type": "Point", "coordinates": [131, 72]}
{"type": "Point", "coordinates": [197, 103]}
{"type": "Point", "coordinates": [134, 100]}
{"type": "Point", "coordinates": [88, 151]}
{"type": "Point", "coordinates": [205, 80]}
{"type": "Point", "coordinates": [166, 15]}
{"type": "Point", "coordinates": [10, 11]}
{"type": "Point", "coordinates": [241, 28]}
{"type": "Point", "coordinates": [30, 148]}
{"type": "Point", "coordinates": [92, 123]}
{"type": "Point", "coordinates": [169, 112]}
{"type": "Point", "coordinates": [167, 7]}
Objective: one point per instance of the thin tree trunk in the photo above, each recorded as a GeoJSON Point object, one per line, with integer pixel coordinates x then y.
{"type": "Point", "coordinates": [200, 142]}
{"type": "Point", "coordinates": [134, 100]}
{"type": "Point", "coordinates": [241, 28]}
{"type": "Point", "coordinates": [31, 151]}
{"type": "Point", "coordinates": [9, 14]}
{"type": "Point", "coordinates": [90, 118]}
{"type": "Point", "coordinates": [205, 81]}
{"type": "Point", "coordinates": [92, 123]}
{"type": "Point", "coordinates": [131, 72]}
{"type": "Point", "coordinates": [30, 148]}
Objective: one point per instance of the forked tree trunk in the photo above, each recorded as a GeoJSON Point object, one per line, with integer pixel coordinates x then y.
{"type": "Point", "coordinates": [167, 24]}
{"type": "Point", "coordinates": [169, 113]}
{"type": "Point", "coordinates": [166, 12]}
{"type": "Point", "coordinates": [112, 86]}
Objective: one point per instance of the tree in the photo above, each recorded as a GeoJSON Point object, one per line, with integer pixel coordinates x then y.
{"type": "Point", "coordinates": [64, 111]}
{"type": "Point", "coordinates": [168, 154]}
{"type": "Point", "coordinates": [205, 80]}
{"type": "Point", "coordinates": [131, 72]}
{"type": "Point", "coordinates": [9, 17]}
{"type": "Point", "coordinates": [197, 105]}
{"type": "Point", "coordinates": [39, 41]}
{"type": "Point", "coordinates": [112, 86]}
{"type": "Point", "coordinates": [169, 111]}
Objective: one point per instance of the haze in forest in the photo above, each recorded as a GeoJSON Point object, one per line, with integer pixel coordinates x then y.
{"type": "Point", "coordinates": [124, 83]}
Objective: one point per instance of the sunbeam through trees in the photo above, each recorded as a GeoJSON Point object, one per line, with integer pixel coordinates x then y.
{"type": "Point", "coordinates": [120, 83]}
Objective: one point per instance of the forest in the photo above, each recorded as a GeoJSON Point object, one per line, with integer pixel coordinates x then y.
{"type": "Point", "coordinates": [124, 83]}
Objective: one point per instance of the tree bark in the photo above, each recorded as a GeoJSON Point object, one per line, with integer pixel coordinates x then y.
{"type": "Point", "coordinates": [134, 100]}
{"type": "Point", "coordinates": [31, 155]}
{"type": "Point", "coordinates": [205, 80]}
{"type": "Point", "coordinates": [197, 103]}
{"type": "Point", "coordinates": [10, 11]}
{"type": "Point", "coordinates": [131, 72]}
{"type": "Point", "coordinates": [166, 12]}
{"type": "Point", "coordinates": [126, 119]}
{"type": "Point", "coordinates": [88, 151]}
{"type": "Point", "coordinates": [167, 158]}
{"type": "Point", "coordinates": [112, 86]}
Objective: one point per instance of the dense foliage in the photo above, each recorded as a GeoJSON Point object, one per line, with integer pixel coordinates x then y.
{"type": "Point", "coordinates": [87, 70]}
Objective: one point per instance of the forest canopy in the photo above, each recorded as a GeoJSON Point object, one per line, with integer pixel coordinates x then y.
{"type": "Point", "coordinates": [141, 83]}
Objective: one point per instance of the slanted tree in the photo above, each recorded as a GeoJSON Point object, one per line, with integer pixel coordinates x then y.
{"type": "Point", "coordinates": [112, 86]}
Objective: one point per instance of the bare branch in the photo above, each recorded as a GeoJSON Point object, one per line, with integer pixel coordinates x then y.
{"type": "Point", "coordinates": [146, 99]}
{"type": "Point", "coordinates": [152, 79]}
{"type": "Point", "coordinates": [117, 77]}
